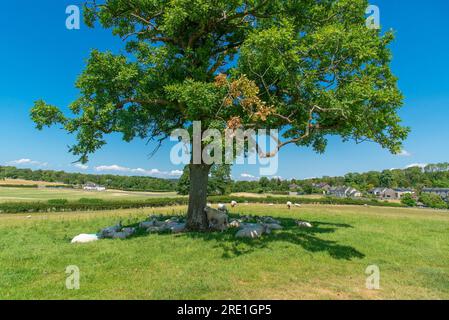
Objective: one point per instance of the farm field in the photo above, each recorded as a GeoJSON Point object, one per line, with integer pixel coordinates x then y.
{"type": "Point", "coordinates": [21, 182]}
{"type": "Point", "coordinates": [265, 195]}
{"type": "Point", "coordinates": [33, 194]}
{"type": "Point", "coordinates": [410, 246]}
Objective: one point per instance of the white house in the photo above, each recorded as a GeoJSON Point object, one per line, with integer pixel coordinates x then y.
{"type": "Point", "coordinates": [93, 187]}
{"type": "Point", "coordinates": [442, 192]}
{"type": "Point", "coordinates": [387, 193]}
{"type": "Point", "coordinates": [344, 192]}
{"type": "Point", "coordinates": [400, 192]}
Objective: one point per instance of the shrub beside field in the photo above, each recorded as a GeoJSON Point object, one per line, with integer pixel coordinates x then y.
{"type": "Point", "coordinates": [63, 205]}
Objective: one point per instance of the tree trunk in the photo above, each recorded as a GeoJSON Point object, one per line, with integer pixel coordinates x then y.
{"type": "Point", "coordinates": [196, 217]}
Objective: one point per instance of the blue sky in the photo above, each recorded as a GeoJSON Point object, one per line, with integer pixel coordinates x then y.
{"type": "Point", "coordinates": [40, 58]}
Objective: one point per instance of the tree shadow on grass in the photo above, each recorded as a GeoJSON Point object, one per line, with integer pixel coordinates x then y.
{"type": "Point", "coordinates": [307, 238]}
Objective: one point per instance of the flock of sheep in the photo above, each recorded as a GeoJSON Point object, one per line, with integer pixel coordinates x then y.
{"type": "Point", "coordinates": [248, 227]}
{"type": "Point", "coordinates": [234, 204]}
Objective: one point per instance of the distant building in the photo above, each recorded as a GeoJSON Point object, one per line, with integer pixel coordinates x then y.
{"type": "Point", "coordinates": [379, 192]}
{"type": "Point", "coordinates": [388, 193]}
{"type": "Point", "coordinates": [400, 192]}
{"type": "Point", "coordinates": [344, 192]}
{"type": "Point", "coordinates": [442, 192]}
{"type": "Point", "coordinates": [93, 187]}
{"type": "Point", "coordinates": [322, 186]}
{"type": "Point", "coordinates": [293, 189]}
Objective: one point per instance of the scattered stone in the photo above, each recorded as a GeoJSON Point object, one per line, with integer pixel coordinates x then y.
{"type": "Point", "coordinates": [85, 238]}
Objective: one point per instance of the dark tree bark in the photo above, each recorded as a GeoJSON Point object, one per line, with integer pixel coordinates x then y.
{"type": "Point", "coordinates": [196, 217]}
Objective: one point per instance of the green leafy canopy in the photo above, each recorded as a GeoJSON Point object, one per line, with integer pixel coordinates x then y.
{"type": "Point", "coordinates": [309, 68]}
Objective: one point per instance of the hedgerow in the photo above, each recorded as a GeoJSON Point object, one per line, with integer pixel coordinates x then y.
{"type": "Point", "coordinates": [59, 205]}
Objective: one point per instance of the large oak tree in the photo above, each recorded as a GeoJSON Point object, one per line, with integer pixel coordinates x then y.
{"type": "Point", "coordinates": [310, 68]}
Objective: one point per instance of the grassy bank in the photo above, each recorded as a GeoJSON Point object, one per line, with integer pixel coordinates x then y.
{"type": "Point", "coordinates": [411, 248]}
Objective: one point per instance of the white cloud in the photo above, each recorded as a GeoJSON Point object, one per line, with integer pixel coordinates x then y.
{"type": "Point", "coordinates": [113, 167]}
{"type": "Point", "coordinates": [27, 162]}
{"type": "Point", "coordinates": [81, 166]}
{"type": "Point", "coordinates": [419, 165]}
{"type": "Point", "coordinates": [176, 173]}
{"type": "Point", "coordinates": [404, 153]}
{"type": "Point", "coordinates": [247, 176]}
{"type": "Point", "coordinates": [139, 171]}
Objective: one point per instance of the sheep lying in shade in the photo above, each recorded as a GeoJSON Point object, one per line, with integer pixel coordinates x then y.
{"type": "Point", "coordinates": [222, 207]}
{"type": "Point", "coordinates": [235, 224]}
{"type": "Point", "coordinates": [252, 230]}
{"type": "Point", "coordinates": [218, 219]}
{"type": "Point", "coordinates": [117, 232]}
{"type": "Point", "coordinates": [110, 231]}
{"type": "Point", "coordinates": [303, 224]}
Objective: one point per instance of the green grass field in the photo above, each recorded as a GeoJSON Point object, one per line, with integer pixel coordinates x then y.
{"type": "Point", "coordinates": [410, 246]}
{"type": "Point", "coordinates": [34, 194]}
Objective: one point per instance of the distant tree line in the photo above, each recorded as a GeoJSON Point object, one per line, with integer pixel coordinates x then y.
{"type": "Point", "coordinates": [433, 176]}
{"type": "Point", "coordinates": [134, 183]}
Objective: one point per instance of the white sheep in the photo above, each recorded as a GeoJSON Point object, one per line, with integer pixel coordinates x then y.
{"type": "Point", "coordinates": [297, 205]}
{"type": "Point", "coordinates": [233, 204]}
{"type": "Point", "coordinates": [85, 238]}
{"type": "Point", "coordinates": [218, 220]}
{"type": "Point", "coordinates": [222, 207]}
{"type": "Point", "coordinates": [304, 224]}
{"type": "Point", "coordinates": [289, 205]}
